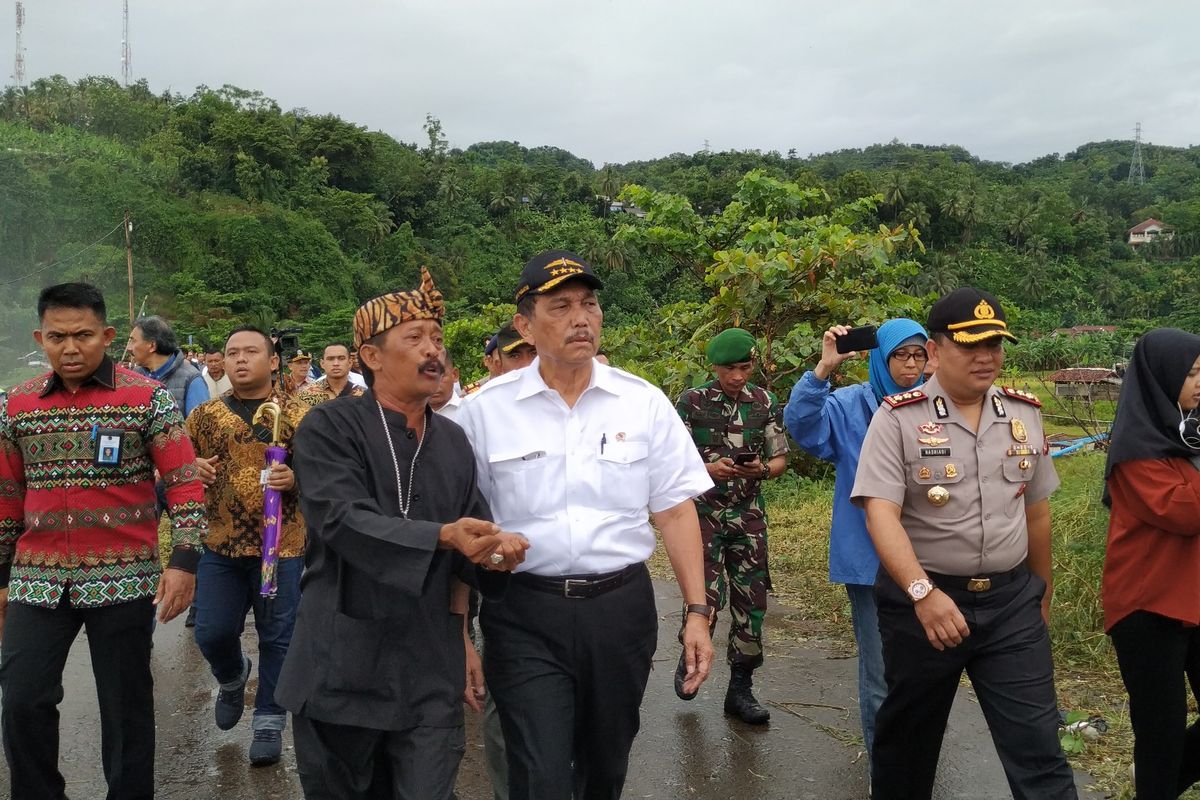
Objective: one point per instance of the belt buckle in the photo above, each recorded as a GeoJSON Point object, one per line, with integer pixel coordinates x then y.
{"type": "Point", "coordinates": [568, 582]}
{"type": "Point", "coordinates": [979, 584]}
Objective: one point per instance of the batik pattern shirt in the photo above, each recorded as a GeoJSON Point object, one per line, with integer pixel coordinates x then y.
{"type": "Point", "coordinates": [235, 498]}
{"type": "Point", "coordinates": [68, 526]}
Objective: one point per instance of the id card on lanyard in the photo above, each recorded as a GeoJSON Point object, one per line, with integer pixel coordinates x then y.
{"type": "Point", "coordinates": [109, 444]}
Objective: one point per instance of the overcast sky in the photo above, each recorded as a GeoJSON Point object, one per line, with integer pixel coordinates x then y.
{"type": "Point", "coordinates": [617, 80]}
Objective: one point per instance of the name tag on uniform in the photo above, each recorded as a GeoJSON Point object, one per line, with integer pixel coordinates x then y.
{"type": "Point", "coordinates": [109, 442]}
{"type": "Point", "coordinates": [935, 452]}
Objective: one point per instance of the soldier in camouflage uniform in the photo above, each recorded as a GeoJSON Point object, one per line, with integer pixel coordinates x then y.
{"type": "Point", "coordinates": [738, 428]}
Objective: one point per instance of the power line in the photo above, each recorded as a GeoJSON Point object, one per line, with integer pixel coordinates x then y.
{"type": "Point", "coordinates": [62, 261]}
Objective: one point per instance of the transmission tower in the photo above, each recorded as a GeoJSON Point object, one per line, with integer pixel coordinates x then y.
{"type": "Point", "coordinates": [19, 59]}
{"type": "Point", "coordinates": [1137, 168]}
{"type": "Point", "coordinates": [126, 56]}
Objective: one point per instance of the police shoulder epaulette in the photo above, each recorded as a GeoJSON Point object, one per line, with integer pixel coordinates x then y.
{"type": "Point", "coordinates": [1021, 394]}
{"type": "Point", "coordinates": [905, 398]}
{"type": "Point", "coordinates": [472, 388]}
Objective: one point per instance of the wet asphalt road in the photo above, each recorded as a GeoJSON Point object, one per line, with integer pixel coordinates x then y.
{"type": "Point", "coordinates": [811, 749]}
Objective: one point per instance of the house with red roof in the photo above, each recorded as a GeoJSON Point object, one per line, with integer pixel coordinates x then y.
{"type": "Point", "coordinates": [1148, 231]}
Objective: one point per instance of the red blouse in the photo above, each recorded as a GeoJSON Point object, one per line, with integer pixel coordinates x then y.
{"type": "Point", "coordinates": [1153, 559]}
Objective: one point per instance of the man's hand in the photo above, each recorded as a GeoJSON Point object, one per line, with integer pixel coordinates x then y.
{"type": "Point", "coordinates": [175, 591]}
{"type": "Point", "coordinates": [723, 469]}
{"type": "Point", "coordinates": [944, 624]}
{"type": "Point", "coordinates": [697, 652]}
{"type": "Point", "coordinates": [475, 690]}
{"type": "Point", "coordinates": [512, 546]}
{"type": "Point", "coordinates": [751, 471]}
{"type": "Point", "coordinates": [206, 469]}
{"type": "Point", "coordinates": [281, 478]}
{"type": "Point", "coordinates": [3, 610]}
{"type": "Point", "coordinates": [476, 539]}
{"type": "Point", "coordinates": [831, 359]}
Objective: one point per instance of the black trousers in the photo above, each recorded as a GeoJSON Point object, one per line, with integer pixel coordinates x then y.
{"type": "Point", "coordinates": [36, 643]}
{"type": "Point", "coordinates": [344, 762]}
{"type": "Point", "coordinates": [568, 678]}
{"type": "Point", "coordinates": [1007, 657]}
{"type": "Point", "coordinates": [1160, 660]}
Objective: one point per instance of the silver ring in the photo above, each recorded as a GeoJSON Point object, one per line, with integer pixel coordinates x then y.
{"type": "Point", "coordinates": [497, 559]}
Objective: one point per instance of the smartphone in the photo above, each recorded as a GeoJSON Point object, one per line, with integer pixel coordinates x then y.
{"type": "Point", "coordinates": [857, 339]}
{"type": "Point", "coordinates": [742, 459]}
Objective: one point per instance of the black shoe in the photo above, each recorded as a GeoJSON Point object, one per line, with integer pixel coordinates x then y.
{"type": "Point", "coordinates": [740, 701]}
{"type": "Point", "coordinates": [232, 702]}
{"type": "Point", "coordinates": [266, 747]}
{"type": "Point", "coordinates": [190, 620]}
{"type": "Point", "coordinates": [680, 677]}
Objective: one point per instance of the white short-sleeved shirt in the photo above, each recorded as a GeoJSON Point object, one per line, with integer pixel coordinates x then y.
{"type": "Point", "coordinates": [579, 482]}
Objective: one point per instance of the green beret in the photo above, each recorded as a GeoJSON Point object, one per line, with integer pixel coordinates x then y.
{"type": "Point", "coordinates": [731, 346]}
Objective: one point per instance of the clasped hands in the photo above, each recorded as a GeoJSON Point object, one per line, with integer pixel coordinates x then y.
{"type": "Point", "coordinates": [480, 541]}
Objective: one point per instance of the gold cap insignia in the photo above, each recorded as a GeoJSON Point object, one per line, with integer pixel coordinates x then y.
{"type": "Point", "coordinates": [984, 310]}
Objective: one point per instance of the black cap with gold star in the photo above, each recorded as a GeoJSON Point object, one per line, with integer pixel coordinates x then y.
{"type": "Point", "coordinates": [969, 315]}
{"type": "Point", "coordinates": [552, 268]}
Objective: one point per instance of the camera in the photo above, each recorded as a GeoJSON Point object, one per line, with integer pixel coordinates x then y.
{"type": "Point", "coordinates": [287, 340]}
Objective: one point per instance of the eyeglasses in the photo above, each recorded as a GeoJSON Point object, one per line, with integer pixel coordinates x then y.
{"type": "Point", "coordinates": [903, 356]}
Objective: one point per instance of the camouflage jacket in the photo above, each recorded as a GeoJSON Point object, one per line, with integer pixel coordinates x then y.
{"type": "Point", "coordinates": [722, 427]}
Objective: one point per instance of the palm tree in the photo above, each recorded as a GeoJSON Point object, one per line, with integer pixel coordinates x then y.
{"type": "Point", "coordinates": [916, 214]}
{"type": "Point", "coordinates": [610, 184]}
{"type": "Point", "coordinates": [895, 191]}
{"type": "Point", "coordinates": [450, 188]}
{"type": "Point", "coordinates": [502, 202]}
{"type": "Point", "coordinates": [1021, 223]}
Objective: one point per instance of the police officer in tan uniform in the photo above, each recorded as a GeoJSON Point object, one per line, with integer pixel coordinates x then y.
{"type": "Point", "coordinates": [955, 479]}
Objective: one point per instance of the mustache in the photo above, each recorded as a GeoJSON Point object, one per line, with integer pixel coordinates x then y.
{"type": "Point", "coordinates": [433, 363]}
{"type": "Point", "coordinates": [581, 337]}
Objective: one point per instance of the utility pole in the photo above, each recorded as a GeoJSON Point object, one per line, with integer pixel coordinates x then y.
{"type": "Point", "coordinates": [126, 56]}
{"type": "Point", "coordinates": [1137, 168]}
{"type": "Point", "coordinates": [19, 58]}
{"type": "Point", "coordinates": [129, 262]}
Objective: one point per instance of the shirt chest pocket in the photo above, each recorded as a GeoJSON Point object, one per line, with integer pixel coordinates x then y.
{"type": "Point", "coordinates": [934, 486]}
{"type": "Point", "coordinates": [1019, 469]}
{"type": "Point", "coordinates": [624, 471]}
{"type": "Point", "coordinates": [519, 484]}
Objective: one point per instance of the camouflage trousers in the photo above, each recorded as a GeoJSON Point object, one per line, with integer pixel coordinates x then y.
{"type": "Point", "coordinates": [735, 567]}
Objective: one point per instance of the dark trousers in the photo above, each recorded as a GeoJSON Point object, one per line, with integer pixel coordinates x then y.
{"type": "Point", "coordinates": [226, 588]}
{"type": "Point", "coordinates": [343, 762]}
{"type": "Point", "coordinates": [568, 677]}
{"type": "Point", "coordinates": [1160, 660]}
{"type": "Point", "coordinates": [36, 643]}
{"type": "Point", "coordinates": [1007, 657]}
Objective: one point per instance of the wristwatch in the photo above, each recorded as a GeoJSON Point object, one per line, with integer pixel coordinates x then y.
{"type": "Point", "coordinates": [919, 589]}
{"type": "Point", "coordinates": [766, 472]}
{"type": "Point", "coordinates": [697, 608]}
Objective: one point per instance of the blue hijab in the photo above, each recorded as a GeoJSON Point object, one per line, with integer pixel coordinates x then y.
{"type": "Point", "coordinates": [892, 334]}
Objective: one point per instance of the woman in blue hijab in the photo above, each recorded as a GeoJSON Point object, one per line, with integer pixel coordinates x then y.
{"type": "Point", "coordinates": [831, 425]}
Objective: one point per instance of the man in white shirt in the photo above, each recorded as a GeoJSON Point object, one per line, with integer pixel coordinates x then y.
{"type": "Point", "coordinates": [578, 457]}
{"type": "Point", "coordinates": [214, 372]}
{"type": "Point", "coordinates": [445, 400]}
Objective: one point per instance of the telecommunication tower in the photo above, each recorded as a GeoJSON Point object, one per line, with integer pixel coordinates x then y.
{"type": "Point", "coordinates": [19, 59]}
{"type": "Point", "coordinates": [126, 56]}
{"type": "Point", "coordinates": [1137, 168]}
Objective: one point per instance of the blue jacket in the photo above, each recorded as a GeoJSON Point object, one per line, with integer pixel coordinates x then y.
{"type": "Point", "coordinates": [831, 426]}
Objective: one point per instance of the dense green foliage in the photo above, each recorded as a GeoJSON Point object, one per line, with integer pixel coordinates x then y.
{"type": "Point", "coordinates": [243, 211]}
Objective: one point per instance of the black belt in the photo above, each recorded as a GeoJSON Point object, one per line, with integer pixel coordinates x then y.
{"type": "Point", "coordinates": [580, 587]}
{"type": "Point", "coordinates": [978, 583]}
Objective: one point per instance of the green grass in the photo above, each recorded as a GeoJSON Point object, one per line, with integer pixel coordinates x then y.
{"type": "Point", "coordinates": [1086, 669]}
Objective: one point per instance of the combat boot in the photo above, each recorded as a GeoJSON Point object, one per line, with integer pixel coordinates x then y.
{"type": "Point", "coordinates": [740, 702]}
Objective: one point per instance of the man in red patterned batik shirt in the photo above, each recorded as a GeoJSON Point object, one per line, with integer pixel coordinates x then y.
{"type": "Point", "coordinates": [79, 447]}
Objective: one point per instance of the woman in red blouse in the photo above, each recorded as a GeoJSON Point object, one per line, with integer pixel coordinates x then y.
{"type": "Point", "coordinates": [1152, 567]}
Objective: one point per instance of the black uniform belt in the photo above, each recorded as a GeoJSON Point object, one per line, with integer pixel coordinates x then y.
{"type": "Point", "coordinates": [977, 583]}
{"type": "Point", "coordinates": [580, 587]}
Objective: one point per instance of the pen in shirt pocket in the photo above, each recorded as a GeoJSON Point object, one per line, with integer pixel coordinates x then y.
{"type": "Point", "coordinates": [603, 441]}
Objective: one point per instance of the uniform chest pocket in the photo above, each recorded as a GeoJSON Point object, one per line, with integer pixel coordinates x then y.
{"type": "Point", "coordinates": [518, 484]}
{"type": "Point", "coordinates": [934, 487]}
{"type": "Point", "coordinates": [625, 474]}
{"type": "Point", "coordinates": [1019, 469]}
